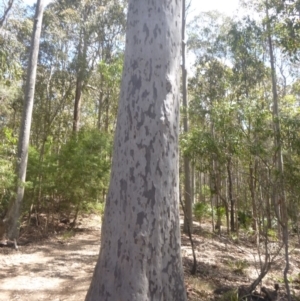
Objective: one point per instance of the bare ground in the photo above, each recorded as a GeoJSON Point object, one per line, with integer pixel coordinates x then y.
{"type": "Point", "coordinates": [60, 267]}
{"type": "Point", "coordinates": [54, 269]}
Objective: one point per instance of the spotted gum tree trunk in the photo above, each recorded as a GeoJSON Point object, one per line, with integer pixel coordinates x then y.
{"type": "Point", "coordinates": [140, 257]}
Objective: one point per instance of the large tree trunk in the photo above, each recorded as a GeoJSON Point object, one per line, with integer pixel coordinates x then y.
{"type": "Point", "coordinates": [13, 214]}
{"type": "Point", "coordinates": [140, 256]}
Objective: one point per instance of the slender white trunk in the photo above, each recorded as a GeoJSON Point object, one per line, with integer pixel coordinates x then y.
{"type": "Point", "coordinates": [13, 214]}
{"type": "Point", "coordinates": [140, 256]}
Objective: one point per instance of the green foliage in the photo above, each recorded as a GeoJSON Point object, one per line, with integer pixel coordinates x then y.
{"type": "Point", "coordinates": [111, 72]}
{"type": "Point", "coordinates": [97, 208]}
{"type": "Point", "coordinates": [83, 166]}
{"type": "Point", "coordinates": [221, 210]}
{"type": "Point", "coordinates": [231, 295]}
{"type": "Point", "coordinates": [68, 235]}
{"type": "Point", "coordinates": [63, 171]}
{"type": "Point", "coordinates": [200, 144]}
{"type": "Point", "coordinates": [7, 168]}
{"type": "Point", "coordinates": [202, 193]}
{"type": "Point", "coordinates": [245, 219]}
{"type": "Point", "coordinates": [286, 26]}
{"type": "Point", "coordinates": [200, 210]}
{"type": "Point", "coordinates": [10, 68]}
{"type": "Point", "coordinates": [272, 234]}
{"type": "Point", "coordinates": [206, 191]}
{"type": "Point", "coordinates": [238, 266]}
{"type": "Point", "coordinates": [77, 175]}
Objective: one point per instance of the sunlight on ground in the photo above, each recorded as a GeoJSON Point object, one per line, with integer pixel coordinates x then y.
{"type": "Point", "coordinates": [18, 259]}
{"type": "Point", "coordinates": [30, 283]}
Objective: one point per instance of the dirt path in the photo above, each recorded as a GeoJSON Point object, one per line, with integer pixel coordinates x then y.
{"type": "Point", "coordinates": [60, 268]}
{"type": "Point", "coordinates": [57, 269]}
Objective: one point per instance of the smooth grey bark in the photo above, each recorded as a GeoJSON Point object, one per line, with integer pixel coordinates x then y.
{"type": "Point", "coordinates": [140, 256]}
{"type": "Point", "coordinates": [13, 214]}
{"type": "Point", "coordinates": [188, 221]}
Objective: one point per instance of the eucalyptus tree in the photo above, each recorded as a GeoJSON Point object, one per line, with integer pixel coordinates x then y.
{"type": "Point", "coordinates": [228, 103]}
{"type": "Point", "coordinates": [11, 68]}
{"type": "Point", "coordinates": [209, 89]}
{"type": "Point", "coordinates": [279, 193]}
{"type": "Point", "coordinates": [13, 214]}
{"type": "Point", "coordinates": [95, 29]}
{"type": "Point", "coordinates": [11, 96]}
{"type": "Point", "coordinates": [216, 137]}
{"type": "Point", "coordinates": [285, 14]}
{"type": "Point", "coordinates": [106, 105]}
{"type": "Point", "coordinates": [110, 28]}
{"type": "Point", "coordinates": [245, 108]}
{"type": "Point", "coordinates": [56, 83]}
{"type": "Point", "coordinates": [6, 8]}
{"type": "Point", "coordinates": [272, 31]}
{"type": "Point", "coordinates": [246, 48]}
{"type": "Point", "coordinates": [290, 133]}
{"type": "Point", "coordinates": [66, 74]}
{"type": "Point", "coordinates": [140, 257]}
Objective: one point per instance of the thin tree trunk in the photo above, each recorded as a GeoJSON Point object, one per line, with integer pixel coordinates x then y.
{"type": "Point", "coordinates": [107, 113]}
{"type": "Point", "coordinates": [253, 194]}
{"type": "Point", "coordinates": [13, 214]}
{"type": "Point", "coordinates": [230, 194]}
{"type": "Point", "coordinates": [237, 205]}
{"type": "Point", "coordinates": [81, 70]}
{"type": "Point", "coordinates": [187, 179]}
{"type": "Point", "coordinates": [268, 198]}
{"type": "Point", "coordinates": [193, 181]}
{"type": "Point", "coordinates": [6, 11]}
{"type": "Point", "coordinates": [279, 187]}
{"type": "Point", "coordinates": [140, 256]}
{"type": "Point", "coordinates": [100, 105]}
{"type": "Point", "coordinates": [77, 104]}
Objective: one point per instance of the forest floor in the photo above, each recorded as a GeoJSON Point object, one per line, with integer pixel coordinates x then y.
{"type": "Point", "coordinates": [60, 267]}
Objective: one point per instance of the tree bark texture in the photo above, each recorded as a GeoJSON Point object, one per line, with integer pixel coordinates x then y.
{"type": "Point", "coordinates": [13, 214]}
{"type": "Point", "coordinates": [140, 256]}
